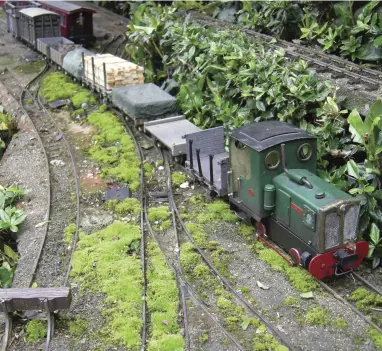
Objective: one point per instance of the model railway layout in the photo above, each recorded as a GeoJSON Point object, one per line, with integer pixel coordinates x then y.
{"type": "Point", "coordinates": [268, 174]}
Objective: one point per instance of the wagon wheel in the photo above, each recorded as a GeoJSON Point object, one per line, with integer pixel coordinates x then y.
{"type": "Point", "coordinates": [261, 230]}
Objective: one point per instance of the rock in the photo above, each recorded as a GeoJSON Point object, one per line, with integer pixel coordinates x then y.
{"type": "Point", "coordinates": [185, 185]}
{"type": "Point", "coordinates": [57, 163]}
{"type": "Point", "coordinates": [160, 168]}
{"type": "Point", "coordinates": [146, 145]}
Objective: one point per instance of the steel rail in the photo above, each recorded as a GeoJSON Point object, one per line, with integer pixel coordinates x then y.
{"type": "Point", "coordinates": [347, 303]}
{"type": "Point", "coordinates": [139, 152]}
{"type": "Point", "coordinates": [306, 53]}
{"type": "Point", "coordinates": [111, 42]}
{"type": "Point", "coordinates": [37, 101]}
{"type": "Point", "coordinates": [226, 283]}
{"type": "Point", "coordinates": [367, 283]}
{"type": "Point", "coordinates": [183, 286]}
{"type": "Point", "coordinates": [76, 184]}
{"type": "Point", "coordinates": [46, 160]}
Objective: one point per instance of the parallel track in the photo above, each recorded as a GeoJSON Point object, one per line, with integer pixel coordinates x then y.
{"type": "Point", "coordinates": [41, 119]}
{"type": "Point", "coordinates": [370, 78]}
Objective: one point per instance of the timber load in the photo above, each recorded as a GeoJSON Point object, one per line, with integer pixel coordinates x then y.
{"type": "Point", "coordinates": [106, 71]}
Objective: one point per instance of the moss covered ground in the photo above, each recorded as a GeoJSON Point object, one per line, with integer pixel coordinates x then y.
{"type": "Point", "coordinates": [178, 178]}
{"type": "Point", "coordinates": [299, 277]}
{"type": "Point", "coordinates": [58, 86]}
{"type": "Point", "coordinates": [162, 304]}
{"type": "Point", "coordinates": [159, 217]}
{"type": "Point", "coordinates": [108, 261]}
{"type": "Point", "coordinates": [36, 330]}
{"type": "Point", "coordinates": [114, 150]}
{"type": "Point", "coordinates": [235, 317]}
{"type": "Point", "coordinates": [30, 67]}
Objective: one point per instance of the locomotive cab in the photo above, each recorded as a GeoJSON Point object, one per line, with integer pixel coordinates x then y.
{"type": "Point", "coordinates": [273, 179]}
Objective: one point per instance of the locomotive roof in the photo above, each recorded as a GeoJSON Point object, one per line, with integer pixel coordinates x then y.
{"type": "Point", "coordinates": [66, 7]}
{"type": "Point", "coordinates": [36, 11]}
{"type": "Point", "coordinates": [263, 135]}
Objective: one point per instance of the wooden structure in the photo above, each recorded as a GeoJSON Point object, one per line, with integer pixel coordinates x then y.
{"type": "Point", "coordinates": [47, 299]}
{"type": "Point", "coordinates": [12, 9]}
{"type": "Point", "coordinates": [37, 23]}
{"type": "Point", "coordinates": [76, 22]}
{"type": "Point", "coordinates": [105, 72]}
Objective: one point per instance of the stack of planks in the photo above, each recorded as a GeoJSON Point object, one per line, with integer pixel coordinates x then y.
{"type": "Point", "coordinates": [117, 71]}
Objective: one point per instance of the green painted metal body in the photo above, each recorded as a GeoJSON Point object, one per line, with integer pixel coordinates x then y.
{"type": "Point", "coordinates": [250, 174]}
{"type": "Point", "coordinates": [298, 208]}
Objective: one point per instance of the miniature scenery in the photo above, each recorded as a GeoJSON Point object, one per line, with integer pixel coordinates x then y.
{"type": "Point", "coordinates": [191, 175]}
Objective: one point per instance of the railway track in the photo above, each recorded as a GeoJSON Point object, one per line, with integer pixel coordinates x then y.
{"type": "Point", "coordinates": [171, 253]}
{"type": "Point", "coordinates": [53, 143]}
{"type": "Point", "coordinates": [371, 79]}
{"type": "Point", "coordinates": [114, 44]}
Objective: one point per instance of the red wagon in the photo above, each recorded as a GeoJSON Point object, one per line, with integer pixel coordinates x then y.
{"type": "Point", "coordinates": [76, 21]}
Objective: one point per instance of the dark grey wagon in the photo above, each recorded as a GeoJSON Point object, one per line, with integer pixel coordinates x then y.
{"type": "Point", "coordinates": [37, 23]}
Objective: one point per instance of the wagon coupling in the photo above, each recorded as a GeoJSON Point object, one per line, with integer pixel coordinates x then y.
{"type": "Point", "coordinates": [47, 299]}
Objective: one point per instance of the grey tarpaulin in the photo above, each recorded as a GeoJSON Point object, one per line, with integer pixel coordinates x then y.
{"type": "Point", "coordinates": [73, 62]}
{"type": "Point", "coordinates": [145, 101]}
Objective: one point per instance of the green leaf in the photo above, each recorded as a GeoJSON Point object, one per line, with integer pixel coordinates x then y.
{"type": "Point", "coordinates": [352, 169]}
{"type": "Point", "coordinates": [5, 277]}
{"type": "Point", "coordinates": [10, 253]}
{"type": "Point", "coordinates": [374, 234]}
{"type": "Point", "coordinates": [307, 295]}
{"type": "Point", "coordinates": [378, 41]}
{"type": "Point", "coordinates": [260, 105]}
{"type": "Point", "coordinates": [356, 127]}
{"type": "Point", "coordinates": [245, 323]}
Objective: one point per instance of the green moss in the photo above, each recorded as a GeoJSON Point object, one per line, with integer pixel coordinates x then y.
{"type": "Point", "coordinates": [217, 211]}
{"type": "Point", "coordinates": [299, 277]}
{"type": "Point", "coordinates": [35, 330]}
{"type": "Point", "coordinates": [340, 323]}
{"type": "Point", "coordinates": [246, 230]}
{"type": "Point", "coordinates": [178, 178]}
{"type": "Point", "coordinates": [376, 337]}
{"type": "Point", "coordinates": [189, 258]}
{"type": "Point", "coordinates": [158, 214]}
{"type": "Point", "coordinates": [102, 108]}
{"type": "Point", "coordinates": [162, 303]}
{"type": "Point", "coordinates": [290, 301]}
{"type": "Point", "coordinates": [108, 262]}
{"type": "Point", "coordinates": [221, 259]}
{"type": "Point", "coordinates": [128, 206]}
{"type": "Point", "coordinates": [110, 205]}
{"type": "Point", "coordinates": [7, 125]}
{"type": "Point", "coordinates": [79, 112]}
{"type": "Point", "coordinates": [197, 199]}
{"type": "Point", "coordinates": [204, 337]}
{"type": "Point", "coordinates": [365, 299]}
{"type": "Point", "coordinates": [30, 67]}
{"type": "Point", "coordinates": [69, 232]}
{"type": "Point", "coordinates": [318, 316]}
{"type": "Point", "coordinates": [114, 149]}
{"type": "Point", "coordinates": [198, 233]}
{"type": "Point", "coordinates": [201, 271]}
{"type": "Point", "coordinates": [148, 167]}
{"type": "Point", "coordinates": [67, 90]}
{"type": "Point", "coordinates": [78, 327]}
{"type": "Point", "coordinates": [29, 101]}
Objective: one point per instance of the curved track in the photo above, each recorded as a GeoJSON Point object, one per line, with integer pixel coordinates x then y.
{"type": "Point", "coordinates": [343, 300]}
{"type": "Point", "coordinates": [45, 128]}
{"type": "Point", "coordinates": [113, 44]}
{"type": "Point", "coordinates": [370, 78]}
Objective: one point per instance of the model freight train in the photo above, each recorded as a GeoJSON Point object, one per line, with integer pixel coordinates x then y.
{"type": "Point", "coordinates": [269, 173]}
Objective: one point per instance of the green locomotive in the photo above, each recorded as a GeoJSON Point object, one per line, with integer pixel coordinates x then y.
{"type": "Point", "coordinates": [272, 178]}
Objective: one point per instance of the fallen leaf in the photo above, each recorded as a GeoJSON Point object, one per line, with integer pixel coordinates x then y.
{"type": "Point", "coordinates": [245, 323]}
{"type": "Point", "coordinates": [38, 225]}
{"type": "Point", "coordinates": [165, 322]}
{"type": "Point", "coordinates": [307, 295]}
{"type": "Point", "coordinates": [262, 286]}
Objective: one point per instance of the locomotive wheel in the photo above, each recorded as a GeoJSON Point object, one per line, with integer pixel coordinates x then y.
{"type": "Point", "coordinates": [159, 144]}
{"type": "Point", "coordinates": [295, 254]}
